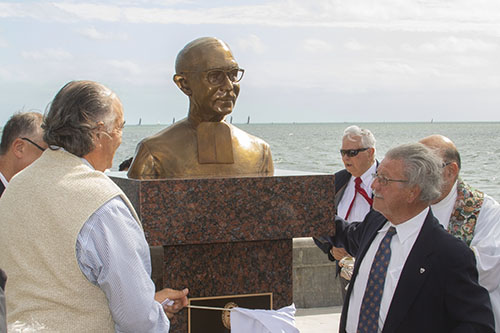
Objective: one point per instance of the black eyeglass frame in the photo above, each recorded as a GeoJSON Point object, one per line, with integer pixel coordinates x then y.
{"type": "Point", "coordinates": [224, 70]}
{"type": "Point", "coordinates": [34, 144]}
{"type": "Point", "coordinates": [352, 152]}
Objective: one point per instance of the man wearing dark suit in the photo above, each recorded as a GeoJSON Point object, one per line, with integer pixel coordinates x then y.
{"type": "Point", "coordinates": [22, 143]}
{"type": "Point", "coordinates": [410, 274]}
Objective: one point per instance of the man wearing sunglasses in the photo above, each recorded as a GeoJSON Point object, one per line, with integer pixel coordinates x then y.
{"type": "Point", "coordinates": [471, 216]}
{"type": "Point", "coordinates": [22, 143]}
{"type": "Point", "coordinates": [204, 144]}
{"type": "Point", "coordinates": [353, 193]}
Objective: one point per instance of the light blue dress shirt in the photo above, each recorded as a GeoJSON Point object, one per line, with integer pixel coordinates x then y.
{"type": "Point", "coordinates": [113, 254]}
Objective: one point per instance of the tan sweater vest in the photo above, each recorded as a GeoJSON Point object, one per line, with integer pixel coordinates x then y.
{"type": "Point", "coordinates": [41, 215]}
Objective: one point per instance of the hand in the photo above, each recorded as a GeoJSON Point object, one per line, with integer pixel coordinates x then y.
{"type": "Point", "coordinates": [178, 296]}
{"type": "Point", "coordinates": [339, 252]}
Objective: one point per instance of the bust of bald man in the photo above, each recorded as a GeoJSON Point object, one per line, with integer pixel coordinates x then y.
{"type": "Point", "coordinates": [204, 144]}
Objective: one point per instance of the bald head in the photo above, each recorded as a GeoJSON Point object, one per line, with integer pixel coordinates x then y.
{"type": "Point", "coordinates": [202, 54]}
{"type": "Point", "coordinates": [444, 147]}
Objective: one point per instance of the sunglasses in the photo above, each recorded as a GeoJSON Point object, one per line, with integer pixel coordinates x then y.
{"type": "Point", "coordinates": [33, 143]}
{"type": "Point", "coordinates": [352, 152]}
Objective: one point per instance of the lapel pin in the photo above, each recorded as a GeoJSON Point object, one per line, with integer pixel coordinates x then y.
{"type": "Point", "coordinates": [422, 270]}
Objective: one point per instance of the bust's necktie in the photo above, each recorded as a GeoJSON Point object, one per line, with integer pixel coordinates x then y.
{"type": "Point", "coordinates": [360, 190]}
{"type": "Point", "coordinates": [370, 306]}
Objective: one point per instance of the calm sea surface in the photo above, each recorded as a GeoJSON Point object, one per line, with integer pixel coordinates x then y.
{"type": "Point", "coordinates": [315, 147]}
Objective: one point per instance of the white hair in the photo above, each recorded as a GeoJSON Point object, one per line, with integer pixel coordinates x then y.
{"type": "Point", "coordinates": [353, 132]}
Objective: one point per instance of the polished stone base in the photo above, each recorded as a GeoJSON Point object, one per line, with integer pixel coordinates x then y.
{"type": "Point", "coordinates": [225, 236]}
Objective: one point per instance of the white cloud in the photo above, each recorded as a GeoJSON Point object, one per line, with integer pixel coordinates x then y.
{"type": "Point", "coordinates": [93, 33]}
{"type": "Point", "coordinates": [252, 43]}
{"type": "Point", "coordinates": [126, 65]}
{"type": "Point", "coordinates": [410, 15]}
{"type": "Point", "coordinates": [317, 45]}
{"type": "Point", "coordinates": [452, 44]}
{"type": "Point", "coordinates": [354, 45]}
{"type": "Point", "coordinates": [47, 54]}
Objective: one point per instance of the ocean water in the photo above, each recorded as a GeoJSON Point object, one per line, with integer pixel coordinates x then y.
{"type": "Point", "coordinates": [315, 147]}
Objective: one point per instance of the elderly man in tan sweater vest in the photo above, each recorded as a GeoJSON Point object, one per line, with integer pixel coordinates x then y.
{"type": "Point", "coordinates": [72, 244]}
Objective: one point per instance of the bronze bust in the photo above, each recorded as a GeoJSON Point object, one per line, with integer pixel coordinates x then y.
{"type": "Point", "coordinates": [204, 144]}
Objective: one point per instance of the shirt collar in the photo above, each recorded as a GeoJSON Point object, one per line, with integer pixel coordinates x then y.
{"type": "Point", "coordinates": [81, 158]}
{"type": "Point", "coordinates": [3, 180]}
{"type": "Point", "coordinates": [367, 176]}
{"type": "Point", "coordinates": [408, 228]}
{"type": "Point", "coordinates": [450, 198]}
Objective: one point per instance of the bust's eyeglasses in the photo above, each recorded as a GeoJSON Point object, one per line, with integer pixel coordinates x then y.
{"type": "Point", "coordinates": [352, 152]}
{"type": "Point", "coordinates": [33, 143]}
{"type": "Point", "coordinates": [383, 180]}
{"type": "Point", "coordinates": [217, 76]}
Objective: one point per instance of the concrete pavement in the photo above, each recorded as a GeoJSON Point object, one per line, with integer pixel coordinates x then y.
{"type": "Point", "coordinates": [318, 320]}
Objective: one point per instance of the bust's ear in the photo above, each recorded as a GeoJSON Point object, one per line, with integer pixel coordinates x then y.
{"type": "Point", "coordinates": [182, 83]}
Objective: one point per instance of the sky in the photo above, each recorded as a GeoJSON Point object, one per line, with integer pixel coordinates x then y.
{"type": "Point", "coordinates": [305, 61]}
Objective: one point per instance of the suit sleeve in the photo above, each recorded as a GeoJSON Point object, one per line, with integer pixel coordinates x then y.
{"type": "Point", "coordinates": [350, 235]}
{"type": "Point", "coordinates": [467, 302]}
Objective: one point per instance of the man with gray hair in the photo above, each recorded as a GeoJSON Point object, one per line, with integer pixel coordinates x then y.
{"type": "Point", "coordinates": [429, 283]}
{"type": "Point", "coordinates": [77, 258]}
{"type": "Point", "coordinates": [22, 143]}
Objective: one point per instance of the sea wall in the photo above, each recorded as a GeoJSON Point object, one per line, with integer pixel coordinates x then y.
{"type": "Point", "coordinates": [314, 281]}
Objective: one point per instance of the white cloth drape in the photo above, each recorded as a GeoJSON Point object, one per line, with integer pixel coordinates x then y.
{"type": "Point", "coordinates": [263, 321]}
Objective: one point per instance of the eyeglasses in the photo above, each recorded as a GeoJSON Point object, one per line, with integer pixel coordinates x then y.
{"type": "Point", "coordinates": [34, 144]}
{"type": "Point", "coordinates": [352, 152]}
{"type": "Point", "coordinates": [445, 164]}
{"type": "Point", "coordinates": [383, 180]}
{"type": "Point", "coordinates": [217, 76]}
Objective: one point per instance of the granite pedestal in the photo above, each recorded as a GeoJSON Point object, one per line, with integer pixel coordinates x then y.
{"type": "Point", "coordinates": [229, 236]}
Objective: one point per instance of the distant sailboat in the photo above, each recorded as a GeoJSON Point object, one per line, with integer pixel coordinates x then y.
{"type": "Point", "coordinates": [432, 120]}
{"type": "Point", "coordinates": [173, 121]}
{"type": "Point", "coordinates": [248, 120]}
{"type": "Point", "coordinates": [231, 120]}
{"type": "Point", "coordinates": [140, 122]}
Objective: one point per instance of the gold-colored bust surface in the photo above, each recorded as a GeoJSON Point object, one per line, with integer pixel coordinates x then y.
{"type": "Point", "coordinates": [204, 144]}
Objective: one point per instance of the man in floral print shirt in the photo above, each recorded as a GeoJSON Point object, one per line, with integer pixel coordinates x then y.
{"type": "Point", "coordinates": [470, 215]}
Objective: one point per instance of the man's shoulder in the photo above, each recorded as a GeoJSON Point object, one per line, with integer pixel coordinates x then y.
{"type": "Point", "coordinates": [341, 179]}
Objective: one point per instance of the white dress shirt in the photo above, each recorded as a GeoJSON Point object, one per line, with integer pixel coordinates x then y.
{"type": "Point", "coordinates": [485, 243]}
{"type": "Point", "coordinates": [401, 244]}
{"type": "Point", "coordinates": [4, 181]}
{"type": "Point", "coordinates": [361, 207]}
{"type": "Point", "coordinates": [113, 254]}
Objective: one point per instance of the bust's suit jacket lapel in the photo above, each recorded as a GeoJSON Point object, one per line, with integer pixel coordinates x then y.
{"type": "Point", "coordinates": [415, 272]}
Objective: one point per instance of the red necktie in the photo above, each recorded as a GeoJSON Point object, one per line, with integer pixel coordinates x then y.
{"type": "Point", "coordinates": [360, 190]}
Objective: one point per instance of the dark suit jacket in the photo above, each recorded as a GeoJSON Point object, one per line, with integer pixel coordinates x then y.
{"type": "Point", "coordinates": [438, 290]}
{"type": "Point", "coordinates": [2, 188]}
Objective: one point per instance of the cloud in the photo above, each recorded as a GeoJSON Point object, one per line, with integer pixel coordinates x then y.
{"type": "Point", "coordinates": [410, 15]}
{"type": "Point", "coordinates": [317, 45]}
{"type": "Point", "coordinates": [452, 44]}
{"type": "Point", "coordinates": [354, 45]}
{"type": "Point", "coordinates": [47, 54]}
{"type": "Point", "coordinates": [93, 33]}
{"type": "Point", "coordinates": [127, 66]}
{"type": "Point", "coordinates": [252, 43]}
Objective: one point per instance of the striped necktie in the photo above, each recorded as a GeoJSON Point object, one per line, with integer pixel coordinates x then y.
{"type": "Point", "coordinates": [370, 306]}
